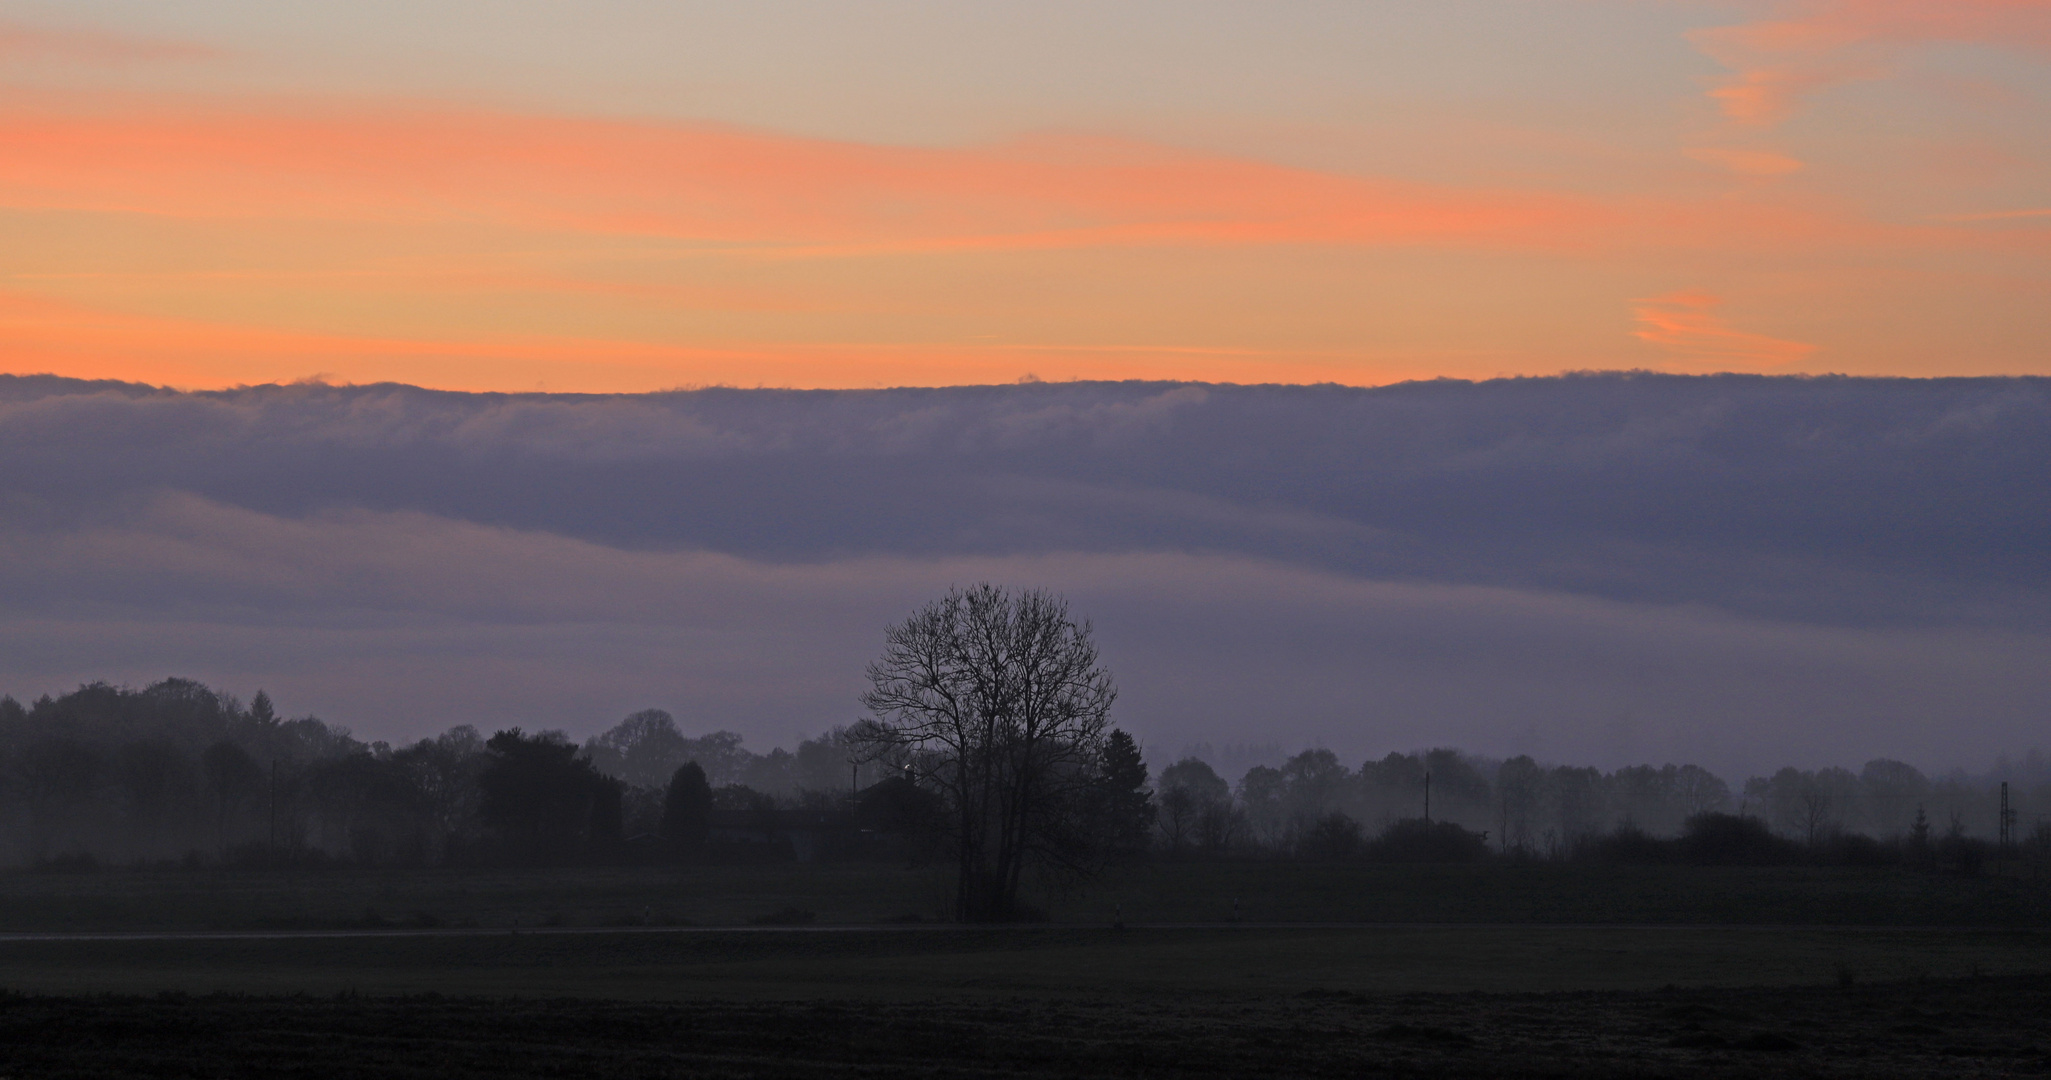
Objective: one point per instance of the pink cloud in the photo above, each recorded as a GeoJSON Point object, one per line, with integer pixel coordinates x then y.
{"type": "Point", "coordinates": [1686, 326]}
{"type": "Point", "coordinates": [20, 41]}
{"type": "Point", "coordinates": [1817, 44]}
{"type": "Point", "coordinates": [1746, 162]}
{"type": "Point", "coordinates": [723, 185]}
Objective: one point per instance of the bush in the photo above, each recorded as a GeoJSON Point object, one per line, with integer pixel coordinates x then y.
{"type": "Point", "coordinates": [1962, 854]}
{"type": "Point", "coordinates": [1627, 845]}
{"type": "Point", "coordinates": [1415, 840]}
{"type": "Point", "coordinates": [1728, 840]}
{"type": "Point", "coordinates": [1334, 836]}
{"type": "Point", "coordinates": [1856, 849]}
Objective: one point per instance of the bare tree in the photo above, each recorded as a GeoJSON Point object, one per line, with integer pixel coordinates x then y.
{"type": "Point", "coordinates": [997, 702]}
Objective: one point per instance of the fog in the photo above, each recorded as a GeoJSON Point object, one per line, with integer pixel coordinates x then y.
{"type": "Point", "coordinates": [1737, 572]}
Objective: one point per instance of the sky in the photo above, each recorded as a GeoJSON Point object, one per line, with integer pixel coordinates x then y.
{"type": "Point", "coordinates": [521, 195]}
{"type": "Point", "coordinates": [526, 362]}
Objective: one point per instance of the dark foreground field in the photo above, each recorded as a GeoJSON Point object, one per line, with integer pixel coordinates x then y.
{"type": "Point", "coordinates": [1957, 1027]}
{"type": "Point", "coordinates": [1159, 892]}
{"type": "Point", "coordinates": [1428, 971]}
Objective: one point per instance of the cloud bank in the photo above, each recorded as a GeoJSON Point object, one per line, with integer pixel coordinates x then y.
{"type": "Point", "coordinates": [1742, 571]}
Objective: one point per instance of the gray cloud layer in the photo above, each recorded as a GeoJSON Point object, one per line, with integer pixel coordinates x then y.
{"type": "Point", "coordinates": [1735, 570]}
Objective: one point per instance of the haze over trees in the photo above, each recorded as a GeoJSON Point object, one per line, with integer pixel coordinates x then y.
{"type": "Point", "coordinates": [177, 773]}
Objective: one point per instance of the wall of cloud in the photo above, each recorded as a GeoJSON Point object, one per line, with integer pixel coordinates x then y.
{"type": "Point", "coordinates": [1738, 571]}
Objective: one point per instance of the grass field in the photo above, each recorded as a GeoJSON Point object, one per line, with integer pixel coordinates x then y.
{"type": "Point", "coordinates": [1983, 1027]}
{"type": "Point", "coordinates": [1465, 971]}
{"type": "Point", "coordinates": [1049, 962]}
{"type": "Point", "coordinates": [1259, 892]}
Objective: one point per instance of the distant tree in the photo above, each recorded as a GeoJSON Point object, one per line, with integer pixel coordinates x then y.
{"type": "Point", "coordinates": [1123, 808]}
{"type": "Point", "coordinates": [1580, 807]}
{"type": "Point", "coordinates": [158, 788]}
{"type": "Point", "coordinates": [233, 778]}
{"type": "Point", "coordinates": [775, 772]}
{"type": "Point", "coordinates": [828, 764]}
{"type": "Point", "coordinates": [544, 800]}
{"type": "Point", "coordinates": [641, 750]}
{"type": "Point", "coordinates": [999, 703]}
{"type": "Point", "coordinates": [442, 776]}
{"type": "Point", "coordinates": [1699, 791]}
{"type": "Point", "coordinates": [1331, 836]}
{"type": "Point", "coordinates": [1890, 789]}
{"type": "Point", "coordinates": [1520, 796]}
{"type": "Point", "coordinates": [1260, 793]}
{"type": "Point", "coordinates": [1919, 837]}
{"type": "Point", "coordinates": [1458, 789]}
{"type": "Point", "coordinates": [59, 778]}
{"type": "Point", "coordinates": [1802, 804]}
{"type": "Point", "coordinates": [686, 810]}
{"type": "Point", "coordinates": [1314, 784]}
{"type": "Point", "coordinates": [1185, 789]}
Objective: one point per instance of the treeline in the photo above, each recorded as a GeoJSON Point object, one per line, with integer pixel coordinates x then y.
{"type": "Point", "coordinates": [1313, 804]}
{"type": "Point", "coordinates": [180, 773]}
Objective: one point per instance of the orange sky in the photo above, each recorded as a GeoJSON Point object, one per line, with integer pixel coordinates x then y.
{"type": "Point", "coordinates": [1855, 186]}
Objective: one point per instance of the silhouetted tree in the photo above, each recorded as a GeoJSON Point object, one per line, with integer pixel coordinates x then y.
{"type": "Point", "coordinates": [1122, 809]}
{"type": "Point", "coordinates": [544, 800]}
{"type": "Point", "coordinates": [642, 750]}
{"type": "Point", "coordinates": [686, 810]}
{"type": "Point", "coordinates": [1189, 792]}
{"type": "Point", "coordinates": [999, 702]}
{"type": "Point", "coordinates": [1331, 836]}
{"type": "Point", "coordinates": [233, 778]}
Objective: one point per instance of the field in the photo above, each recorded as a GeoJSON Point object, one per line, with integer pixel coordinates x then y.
{"type": "Point", "coordinates": [1157, 893]}
{"type": "Point", "coordinates": [1969, 1027]}
{"type": "Point", "coordinates": [1331, 970]}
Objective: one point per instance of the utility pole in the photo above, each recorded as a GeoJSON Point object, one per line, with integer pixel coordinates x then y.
{"type": "Point", "coordinates": [274, 806]}
{"type": "Point", "coordinates": [2007, 830]}
{"type": "Point", "coordinates": [1427, 796]}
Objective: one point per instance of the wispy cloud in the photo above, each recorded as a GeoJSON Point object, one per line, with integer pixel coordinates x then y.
{"type": "Point", "coordinates": [1686, 325]}
{"type": "Point", "coordinates": [722, 185]}
{"type": "Point", "coordinates": [1746, 162]}
{"type": "Point", "coordinates": [22, 41]}
{"type": "Point", "coordinates": [1998, 215]}
{"type": "Point", "coordinates": [1812, 45]}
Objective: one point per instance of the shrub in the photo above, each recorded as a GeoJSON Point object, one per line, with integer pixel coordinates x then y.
{"type": "Point", "coordinates": [1415, 840]}
{"type": "Point", "coordinates": [1628, 845]}
{"type": "Point", "coordinates": [1728, 840]}
{"type": "Point", "coordinates": [1333, 836]}
{"type": "Point", "coordinates": [1856, 849]}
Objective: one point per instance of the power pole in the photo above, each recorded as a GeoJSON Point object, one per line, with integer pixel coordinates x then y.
{"type": "Point", "coordinates": [1427, 796]}
{"type": "Point", "coordinates": [274, 806]}
{"type": "Point", "coordinates": [2007, 829]}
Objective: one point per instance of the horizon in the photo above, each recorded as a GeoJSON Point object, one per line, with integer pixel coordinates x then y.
{"type": "Point", "coordinates": [1231, 761]}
